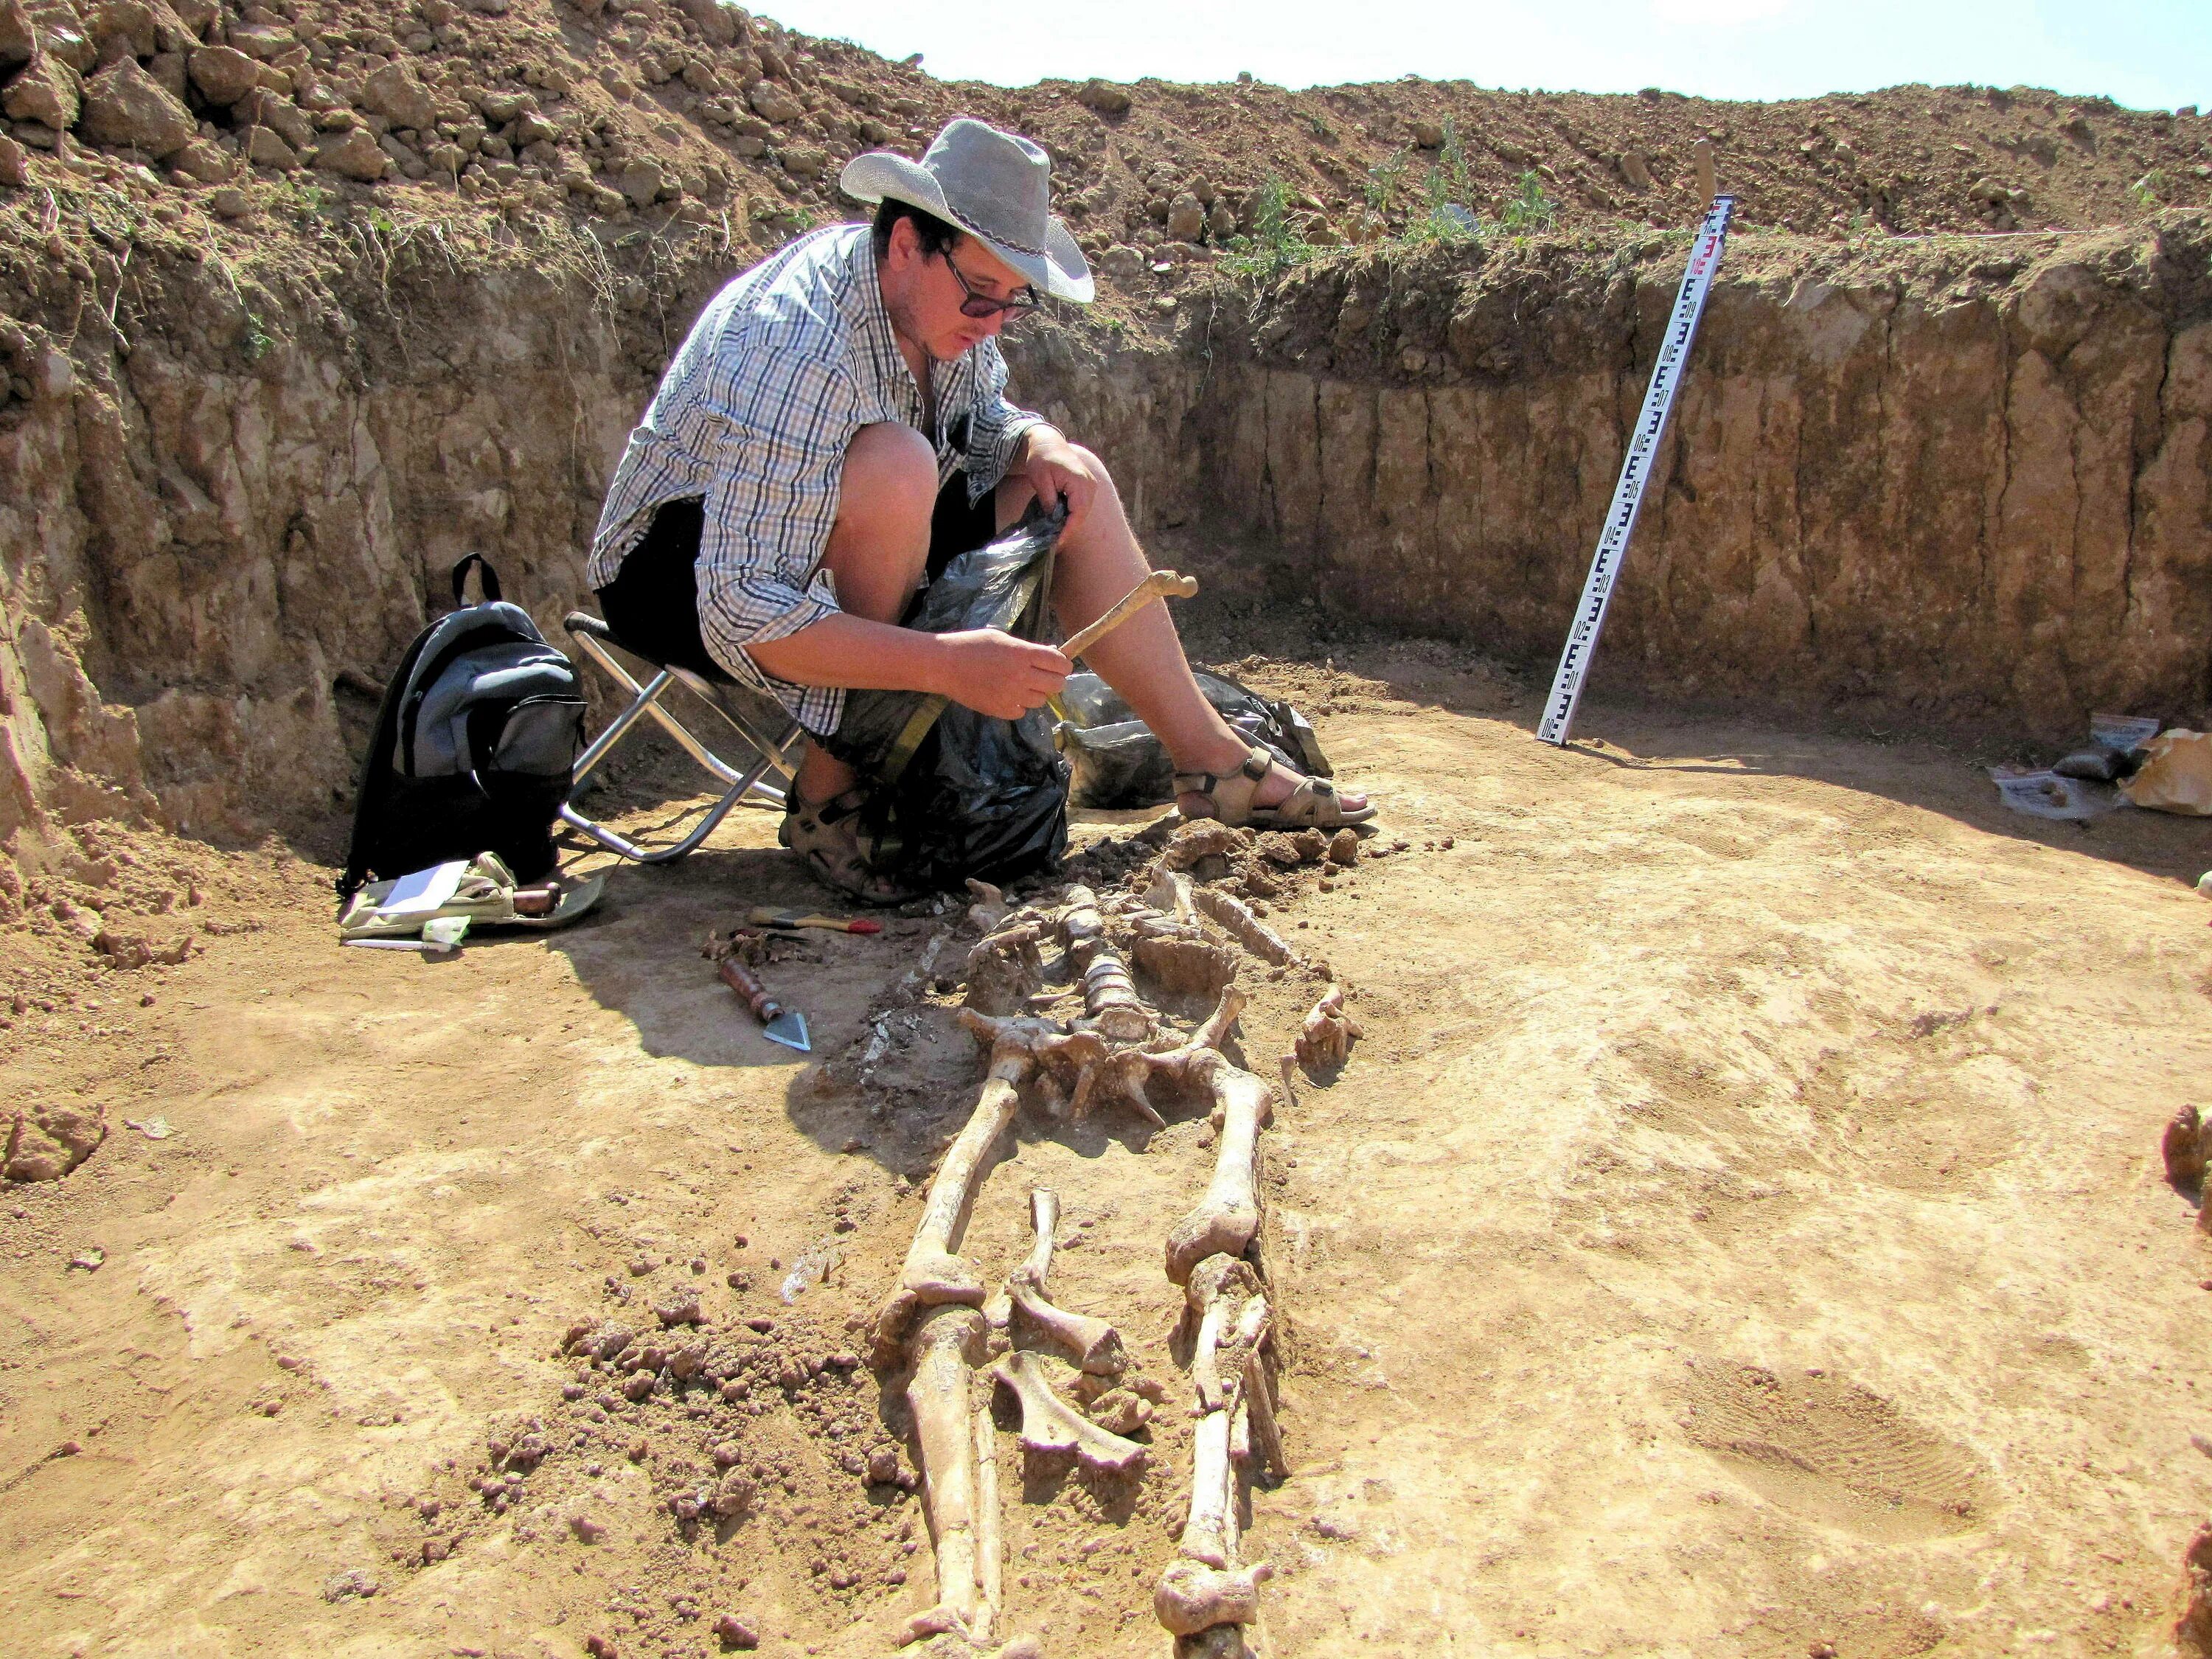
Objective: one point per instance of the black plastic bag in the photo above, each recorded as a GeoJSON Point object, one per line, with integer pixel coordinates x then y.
{"type": "Point", "coordinates": [954, 794]}
{"type": "Point", "coordinates": [1115, 761]}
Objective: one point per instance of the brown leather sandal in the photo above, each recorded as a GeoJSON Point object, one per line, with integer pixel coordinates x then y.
{"type": "Point", "coordinates": [1314, 805]}
{"type": "Point", "coordinates": [826, 836]}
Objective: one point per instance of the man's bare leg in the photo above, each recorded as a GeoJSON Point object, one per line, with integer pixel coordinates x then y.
{"type": "Point", "coordinates": [878, 551]}
{"type": "Point", "coordinates": [1142, 659]}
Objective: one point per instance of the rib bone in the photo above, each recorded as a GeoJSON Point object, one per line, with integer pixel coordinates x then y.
{"type": "Point", "coordinates": [1048, 1424]}
{"type": "Point", "coordinates": [1228, 1215]}
{"type": "Point", "coordinates": [1096, 1344]}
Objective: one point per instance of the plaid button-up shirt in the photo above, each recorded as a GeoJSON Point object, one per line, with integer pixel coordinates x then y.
{"type": "Point", "coordinates": [784, 365]}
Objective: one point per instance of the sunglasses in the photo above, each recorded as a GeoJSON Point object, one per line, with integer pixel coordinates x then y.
{"type": "Point", "coordinates": [980, 305]}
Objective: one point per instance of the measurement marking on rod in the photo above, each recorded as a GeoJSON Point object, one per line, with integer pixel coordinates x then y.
{"type": "Point", "coordinates": [1635, 472]}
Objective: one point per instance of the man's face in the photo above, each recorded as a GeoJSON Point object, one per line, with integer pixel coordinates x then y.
{"type": "Point", "coordinates": [924, 291]}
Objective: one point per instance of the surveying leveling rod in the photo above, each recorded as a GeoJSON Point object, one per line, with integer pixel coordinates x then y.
{"type": "Point", "coordinates": [1635, 472]}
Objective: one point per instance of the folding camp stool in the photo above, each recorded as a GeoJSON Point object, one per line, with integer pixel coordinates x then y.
{"type": "Point", "coordinates": [751, 715]}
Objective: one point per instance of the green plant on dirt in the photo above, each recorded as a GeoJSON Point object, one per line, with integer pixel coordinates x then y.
{"type": "Point", "coordinates": [1445, 215]}
{"type": "Point", "coordinates": [1528, 210]}
{"type": "Point", "coordinates": [1380, 188]}
{"type": "Point", "coordinates": [2152, 190]}
{"type": "Point", "coordinates": [1277, 243]}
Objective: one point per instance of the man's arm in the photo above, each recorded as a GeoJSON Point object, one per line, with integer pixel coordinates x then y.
{"type": "Point", "coordinates": [991, 672]}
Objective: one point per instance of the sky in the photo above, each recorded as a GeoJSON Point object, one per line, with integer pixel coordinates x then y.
{"type": "Point", "coordinates": [2148, 54]}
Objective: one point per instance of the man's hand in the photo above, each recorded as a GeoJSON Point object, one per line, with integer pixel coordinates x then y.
{"type": "Point", "coordinates": [996, 674]}
{"type": "Point", "coordinates": [1056, 468]}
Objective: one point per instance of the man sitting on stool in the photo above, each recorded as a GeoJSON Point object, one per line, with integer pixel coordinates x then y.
{"type": "Point", "coordinates": [833, 431]}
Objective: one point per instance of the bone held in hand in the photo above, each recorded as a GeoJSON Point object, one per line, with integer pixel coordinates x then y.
{"type": "Point", "coordinates": [1228, 1215]}
{"type": "Point", "coordinates": [1193, 1597]}
{"type": "Point", "coordinates": [1050, 1424]}
{"type": "Point", "coordinates": [1159, 584]}
{"type": "Point", "coordinates": [944, 1344]}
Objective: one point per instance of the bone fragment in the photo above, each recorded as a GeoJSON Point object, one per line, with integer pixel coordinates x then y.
{"type": "Point", "coordinates": [1049, 1424]}
{"type": "Point", "coordinates": [990, 908]}
{"type": "Point", "coordinates": [1005, 968]}
{"type": "Point", "coordinates": [1222, 1642]}
{"type": "Point", "coordinates": [1169, 893]}
{"type": "Point", "coordinates": [1096, 1344]}
{"type": "Point", "coordinates": [1325, 1039]}
{"type": "Point", "coordinates": [1246, 928]}
{"type": "Point", "coordinates": [943, 1344]}
{"type": "Point", "coordinates": [1118, 1411]}
{"type": "Point", "coordinates": [1228, 1215]}
{"type": "Point", "coordinates": [1193, 1597]}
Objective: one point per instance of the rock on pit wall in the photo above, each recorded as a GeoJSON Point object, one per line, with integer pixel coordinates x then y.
{"type": "Point", "coordinates": [1954, 481]}
{"type": "Point", "coordinates": [1962, 483]}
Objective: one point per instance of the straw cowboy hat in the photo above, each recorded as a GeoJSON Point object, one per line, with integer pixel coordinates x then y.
{"type": "Point", "coordinates": [993, 185]}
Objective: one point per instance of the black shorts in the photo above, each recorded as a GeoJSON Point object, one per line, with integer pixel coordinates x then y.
{"type": "Point", "coordinates": [652, 604]}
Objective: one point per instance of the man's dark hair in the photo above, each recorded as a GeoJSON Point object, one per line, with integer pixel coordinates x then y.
{"type": "Point", "coordinates": [937, 236]}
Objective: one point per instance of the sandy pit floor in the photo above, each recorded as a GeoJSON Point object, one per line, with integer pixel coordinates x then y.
{"type": "Point", "coordinates": [1739, 1229]}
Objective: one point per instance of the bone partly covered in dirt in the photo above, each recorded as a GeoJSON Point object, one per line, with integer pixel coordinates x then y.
{"type": "Point", "coordinates": [1217, 1288]}
{"type": "Point", "coordinates": [1228, 1215]}
{"type": "Point", "coordinates": [1096, 1344]}
{"type": "Point", "coordinates": [1266, 1428]}
{"type": "Point", "coordinates": [1005, 967]}
{"type": "Point", "coordinates": [1247, 929]}
{"type": "Point", "coordinates": [1170, 893]}
{"type": "Point", "coordinates": [937, 1395]}
{"type": "Point", "coordinates": [1049, 1423]}
{"type": "Point", "coordinates": [1324, 1041]}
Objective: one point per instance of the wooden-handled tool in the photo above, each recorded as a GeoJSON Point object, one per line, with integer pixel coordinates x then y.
{"type": "Point", "coordinates": [781, 1024]}
{"type": "Point", "coordinates": [790, 921]}
{"type": "Point", "coordinates": [1160, 584]}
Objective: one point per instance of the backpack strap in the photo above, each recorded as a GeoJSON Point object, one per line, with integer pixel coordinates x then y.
{"type": "Point", "coordinates": [487, 577]}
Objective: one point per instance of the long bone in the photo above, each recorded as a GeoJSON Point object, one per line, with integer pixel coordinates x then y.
{"type": "Point", "coordinates": [990, 1577]}
{"type": "Point", "coordinates": [1096, 1344]}
{"type": "Point", "coordinates": [1050, 1424]}
{"type": "Point", "coordinates": [1210, 1532]}
{"type": "Point", "coordinates": [946, 1342]}
{"type": "Point", "coordinates": [1228, 1216]}
{"type": "Point", "coordinates": [1192, 1597]}
{"type": "Point", "coordinates": [933, 1274]}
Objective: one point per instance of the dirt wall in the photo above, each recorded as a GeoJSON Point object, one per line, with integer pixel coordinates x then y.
{"type": "Point", "coordinates": [1942, 482]}
{"type": "Point", "coordinates": [1960, 483]}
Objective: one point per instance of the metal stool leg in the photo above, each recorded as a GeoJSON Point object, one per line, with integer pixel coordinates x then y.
{"type": "Point", "coordinates": [746, 787]}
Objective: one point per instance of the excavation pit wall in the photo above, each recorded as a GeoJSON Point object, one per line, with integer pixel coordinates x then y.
{"type": "Point", "coordinates": [1954, 484]}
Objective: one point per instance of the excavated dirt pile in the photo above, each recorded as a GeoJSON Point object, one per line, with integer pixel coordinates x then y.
{"type": "Point", "coordinates": [1738, 1225]}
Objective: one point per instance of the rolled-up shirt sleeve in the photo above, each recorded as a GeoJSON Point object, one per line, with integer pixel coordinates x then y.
{"type": "Point", "coordinates": [998, 427]}
{"type": "Point", "coordinates": [780, 440]}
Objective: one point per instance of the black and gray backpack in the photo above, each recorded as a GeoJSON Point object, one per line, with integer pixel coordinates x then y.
{"type": "Point", "coordinates": [475, 747]}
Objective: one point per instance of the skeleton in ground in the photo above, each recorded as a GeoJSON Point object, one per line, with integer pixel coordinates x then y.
{"type": "Point", "coordinates": [1113, 1051]}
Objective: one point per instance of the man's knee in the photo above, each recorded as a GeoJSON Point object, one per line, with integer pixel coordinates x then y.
{"type": "Point", "coordinates": [890, 471]}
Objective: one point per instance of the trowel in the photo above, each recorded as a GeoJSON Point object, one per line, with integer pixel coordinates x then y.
{"type": "Point", "coordinates": [778, 1023]}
